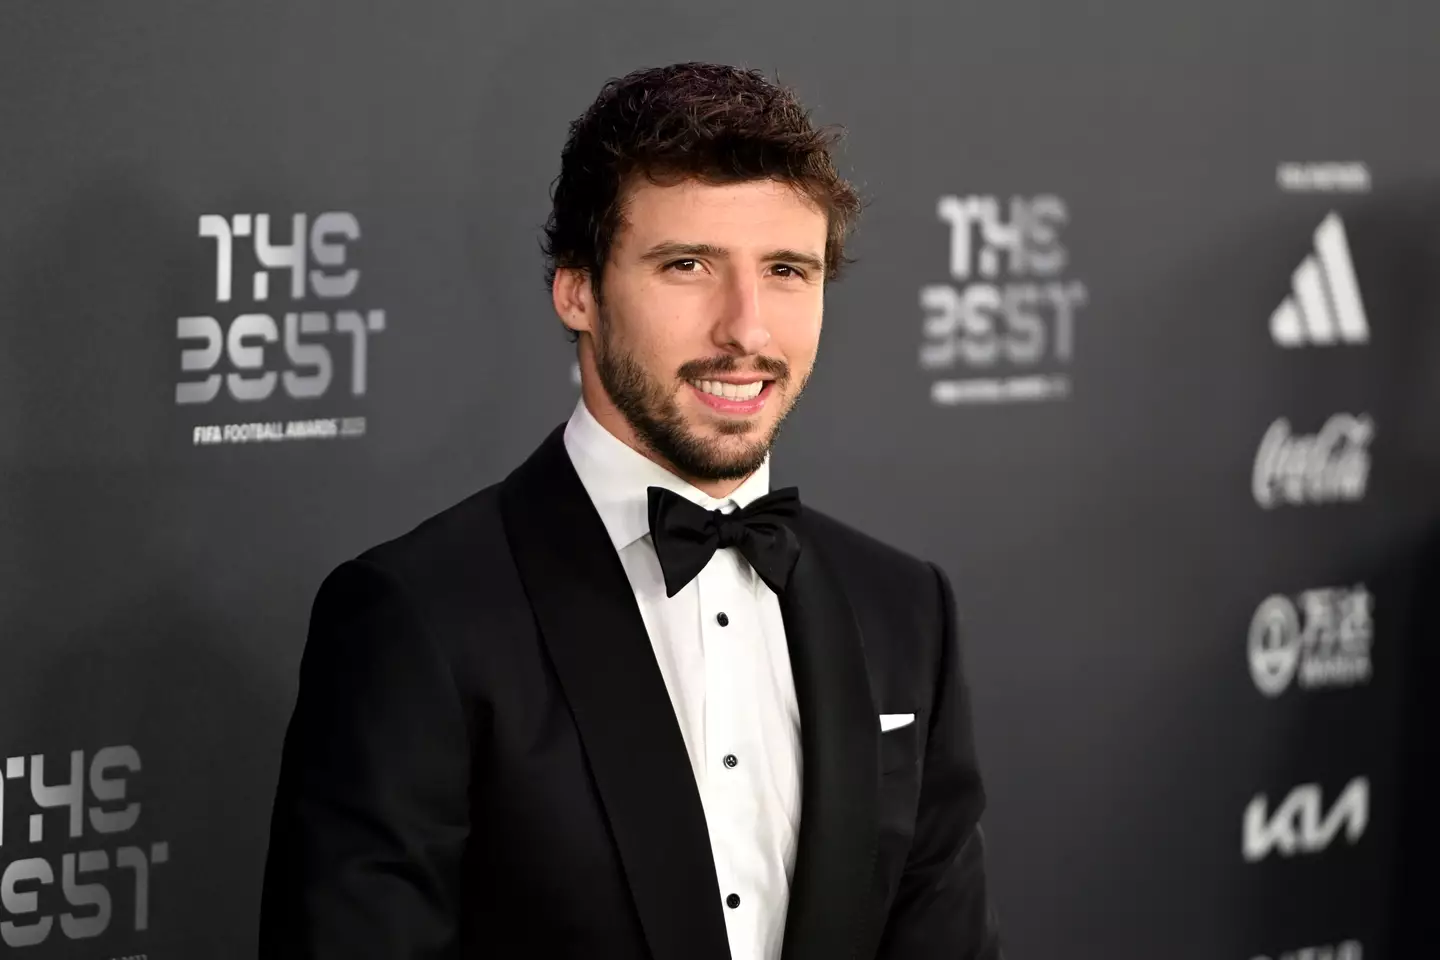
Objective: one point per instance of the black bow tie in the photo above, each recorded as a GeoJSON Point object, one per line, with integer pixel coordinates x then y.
{"type": "Point", "coordinates": [686, 536]}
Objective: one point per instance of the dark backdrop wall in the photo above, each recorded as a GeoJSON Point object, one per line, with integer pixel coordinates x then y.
{"type": "Point", "coordinates": [1141, 346]}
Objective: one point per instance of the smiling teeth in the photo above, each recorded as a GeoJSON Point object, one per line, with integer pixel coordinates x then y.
{"type": "Point", "coordinates": [730, 391]}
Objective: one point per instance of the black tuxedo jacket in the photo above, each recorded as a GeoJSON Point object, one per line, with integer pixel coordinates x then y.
{"type": "Point", "coordinates": [483, 761]}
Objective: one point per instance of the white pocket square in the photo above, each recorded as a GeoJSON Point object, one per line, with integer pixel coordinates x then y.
{"type": "Point", "coordinates": [894, 721]}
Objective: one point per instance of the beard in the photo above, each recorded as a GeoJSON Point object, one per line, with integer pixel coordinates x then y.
{"type": "Point", "coordinates": [650, 407]}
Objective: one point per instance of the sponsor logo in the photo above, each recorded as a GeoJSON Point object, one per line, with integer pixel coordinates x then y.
{"type": "Point", "coordinates": [300, 354]}
{"type": "Point", "coordinates": [1299, 824]}
{"type": "Point", "coordinates": [1320, 638]}
{"type": "Point", "coordinates": [67, 895]}
{"type": "Point", "coordinates": [1325, 306]}
{"type": "Point", "coordinates": [1331, 466]}
{"type": "Point", "coordinates": [1346, 950]}
{"type": "Point", "coordinates": [1003, 329]}
{"type": "Point", "coordinates": [1332, 177]}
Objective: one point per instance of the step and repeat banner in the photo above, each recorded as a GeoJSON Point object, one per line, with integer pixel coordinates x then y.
{"type": "Point", "coordinates": [1142, 344]}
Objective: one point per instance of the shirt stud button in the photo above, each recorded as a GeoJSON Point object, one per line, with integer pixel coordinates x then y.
{"type": "Point", "coordinates": [731, 760]}
{"type": "Point", "coordinates": [721, 619]}
{"type": "Point", "coordinates": [732, 901]}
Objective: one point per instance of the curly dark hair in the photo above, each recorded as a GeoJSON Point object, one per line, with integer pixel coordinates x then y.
{"type": "Point", "coordinates": [703, 121]}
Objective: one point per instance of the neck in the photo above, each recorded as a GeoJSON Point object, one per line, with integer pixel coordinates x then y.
{"type": "Point", "coordinates": [598, 402]}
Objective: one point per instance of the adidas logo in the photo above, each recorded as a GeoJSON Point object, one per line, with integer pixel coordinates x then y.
{"type": "Point", "coordinates": [1325, 307]}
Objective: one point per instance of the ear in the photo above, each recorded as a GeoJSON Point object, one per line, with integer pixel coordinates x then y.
{"type": "Point", "coordinates": [574, 300]}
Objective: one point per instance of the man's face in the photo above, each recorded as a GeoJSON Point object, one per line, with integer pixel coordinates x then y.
{"type": "Point", "coordinates": [710, 319]}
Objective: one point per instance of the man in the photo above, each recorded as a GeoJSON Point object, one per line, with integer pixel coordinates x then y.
{"type": "Point", "coordinates": [630, 702]}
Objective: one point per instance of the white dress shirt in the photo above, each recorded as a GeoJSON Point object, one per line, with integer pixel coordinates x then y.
{"type": "Point", "coordinates": [720, 644]}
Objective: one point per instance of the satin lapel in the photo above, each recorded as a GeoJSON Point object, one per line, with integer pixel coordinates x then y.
{"type": "Point", "coordinates": [602, 655]}
{"type": "Point", "coordinates": [830, 896]}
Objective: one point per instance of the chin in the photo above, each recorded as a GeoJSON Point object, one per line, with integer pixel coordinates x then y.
{"type": "Point", "coordinates": [748, 429]}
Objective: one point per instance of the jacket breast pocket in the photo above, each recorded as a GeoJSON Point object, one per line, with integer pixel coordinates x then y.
{"type": "Point", "coordinates": [900, 756]}
{"type": "Point", "coordinates": [899, 749]}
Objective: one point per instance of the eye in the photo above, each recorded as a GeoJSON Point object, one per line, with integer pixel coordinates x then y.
{"type": "Point", "coordinates": [683, 264]}
{"type": "Point", "coordinates": [790, 271]}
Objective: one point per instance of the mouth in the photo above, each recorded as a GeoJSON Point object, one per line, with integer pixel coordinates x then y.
{"type": "Point", "coordinates": [738, 397]}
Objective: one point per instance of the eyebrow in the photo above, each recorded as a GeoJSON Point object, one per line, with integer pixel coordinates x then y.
{"type": "Point", "coordinates": [673, 250]}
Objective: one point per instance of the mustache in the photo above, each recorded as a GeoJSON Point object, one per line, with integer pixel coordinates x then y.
{"type": "Point", "coordinates": [769, 367]}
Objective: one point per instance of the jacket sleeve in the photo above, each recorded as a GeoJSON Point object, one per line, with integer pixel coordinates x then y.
{"type": "Point", "coordinates": [370, 818]}
{"type": "Point", "coordinates": [942, 908]}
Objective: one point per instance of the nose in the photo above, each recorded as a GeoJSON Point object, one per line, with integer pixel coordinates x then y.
{"type": "Point", "coordinates": [742, 327]}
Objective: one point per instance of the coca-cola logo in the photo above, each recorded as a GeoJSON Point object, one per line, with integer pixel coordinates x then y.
{"type": "Point", "coordinates": [1331, 466]}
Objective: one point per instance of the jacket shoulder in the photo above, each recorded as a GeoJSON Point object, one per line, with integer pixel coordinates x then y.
{"type": "Point", "coordinates": [445, 546]}
{"type": "Point", "coordinates": [903, 603]}
{"type": "Point", "coordinates": [863, 559]}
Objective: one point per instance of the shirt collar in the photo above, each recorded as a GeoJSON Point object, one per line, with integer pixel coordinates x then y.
{"type": "Point", "coordinates": [617, 478]}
